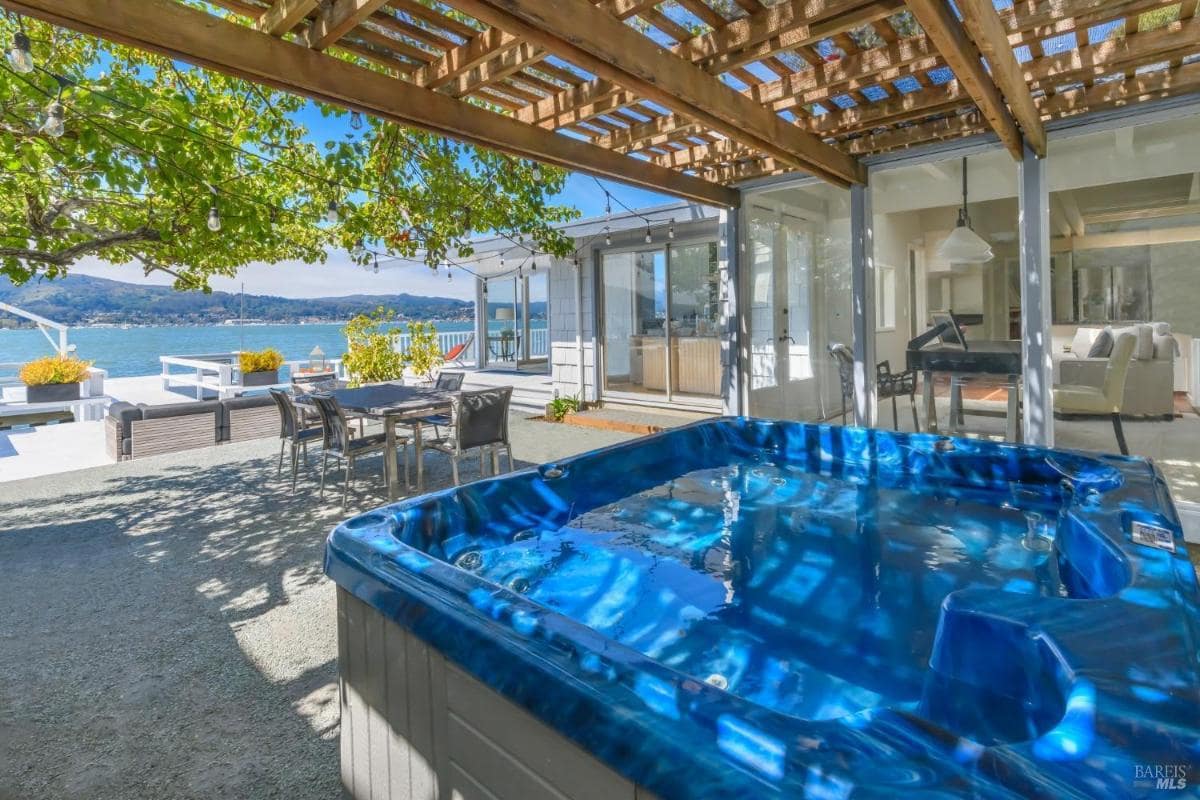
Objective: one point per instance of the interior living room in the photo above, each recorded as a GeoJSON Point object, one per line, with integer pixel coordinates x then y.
{"type": "Point", "coordinates": [1125, 259]}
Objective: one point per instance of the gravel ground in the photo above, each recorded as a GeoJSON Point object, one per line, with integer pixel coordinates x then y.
{"type": "Point", "coordinates": [166, 630]}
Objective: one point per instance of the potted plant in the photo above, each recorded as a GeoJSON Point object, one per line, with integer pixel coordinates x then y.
{"type": "Point", "coordinates": [261, 367]}
{"type": "Point", "coordinates": [559, 407]}
{"type": "Point", "coordinates": [53, 379]}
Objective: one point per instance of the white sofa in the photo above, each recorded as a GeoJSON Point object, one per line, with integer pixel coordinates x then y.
{"type": "Point", "coordinates": [1150, 387]}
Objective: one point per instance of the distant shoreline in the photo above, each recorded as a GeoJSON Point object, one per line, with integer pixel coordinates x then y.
{"type": "Point", "coordinates": [221, 324]}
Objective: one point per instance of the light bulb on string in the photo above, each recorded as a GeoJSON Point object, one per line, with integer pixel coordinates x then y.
{"type": "Point", "coordinates": [55, 113]}
{"type": "Point", "coordinates": [607, 237]}
{"type": "Point", "coordinates": [214, 219]}
{"type": "Point", "coordinates": [671, 230]}
{"type": "Point", "coordinates": [20, 56]}
{"type": "Point", "coordinates": [649, 237]}
{"type": "Point", "coordinates": [607, 207]}
{"type": "Point", "coordinates": [356, 120]}
{"type": "Point", "coordinates": [376, 265]}
{"type": "Point", "coordinates": [331, 212]}
{"type": "Point", "coordinates": [537, 172]}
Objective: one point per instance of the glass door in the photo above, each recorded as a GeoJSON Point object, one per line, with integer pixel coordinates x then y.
{"type": "Point", "coordinates": [536, 347]}
{"type": "Point", "coordinates": [782, 317]}
{"type": "Point", "coordinates": [634, 291]}
{"type": "Point", "coordinates": [695, 343]}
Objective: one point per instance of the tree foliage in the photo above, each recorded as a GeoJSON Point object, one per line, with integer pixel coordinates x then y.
{"type": "Point", "coordinates": [150, 146]}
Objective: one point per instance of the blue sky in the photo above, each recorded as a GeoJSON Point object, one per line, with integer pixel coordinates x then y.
{"type": "Point", "coordinates": [339, 277]}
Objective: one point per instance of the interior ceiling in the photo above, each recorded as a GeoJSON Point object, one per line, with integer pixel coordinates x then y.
{"type": "Point", "coordinates": [715, 91]}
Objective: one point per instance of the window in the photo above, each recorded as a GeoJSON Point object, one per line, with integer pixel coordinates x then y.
{"type": "Point", "coordinates": [885, 298]}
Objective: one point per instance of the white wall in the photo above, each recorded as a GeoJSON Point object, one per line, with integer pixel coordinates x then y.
{"type": "Point", "coordinates": [564, 349]}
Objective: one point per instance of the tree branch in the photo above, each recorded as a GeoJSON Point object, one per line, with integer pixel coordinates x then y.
{"type": "Point", "coordinates": [70, 255]}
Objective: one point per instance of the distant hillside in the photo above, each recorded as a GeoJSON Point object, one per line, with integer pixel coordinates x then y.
{"type": "Point", "coordinates": [79, 299]}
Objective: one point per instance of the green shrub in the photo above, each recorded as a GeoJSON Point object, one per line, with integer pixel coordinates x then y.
{"type": "Point", "coordinates": [424, 353]}
{"type": "Point", "coordinates": [267, 360]}
{"type": "Point", "coordinates": [559, 407]}
{"type": "Point", "coordinates": [371, 355]}
{"type": "Point", "coordinates": [53, 370]}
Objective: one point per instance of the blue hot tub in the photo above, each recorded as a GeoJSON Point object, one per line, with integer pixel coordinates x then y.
{"type": "Point", "coordinates": [743, 608]}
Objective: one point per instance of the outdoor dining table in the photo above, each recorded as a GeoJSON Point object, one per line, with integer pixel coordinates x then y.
{"type": "Point", "coordinates": [393, 403]}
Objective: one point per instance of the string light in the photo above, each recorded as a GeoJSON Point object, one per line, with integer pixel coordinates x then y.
{"type": "Point", "coordinates": [537, 172]}
{"type": "Point", "coordinates": [671, 230]}
{"type": "Point", "coordinates": [607, 236]}
{"type": "Point", "coordinates": [376, 263]}
{"type": "Point", "coordinates": [649, 237]}
{"type": "Point", "coordinates": [356, 120]}
{"type": "Point", "coordinates": [20, 56]}
{"type": "Point", "coordinates": [55, 113]}
{"type": "Point", "coordinates": [607, 205]}
{"type": "Point", "coordinates": [214, 216]}
{"type": "Point", "coordinates": [331, 213]}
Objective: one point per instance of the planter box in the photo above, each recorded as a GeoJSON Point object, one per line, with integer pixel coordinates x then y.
{"type": "Point", "coordinates": [52, 393]}
{"type": "Point", "coordinates": [260, 378]}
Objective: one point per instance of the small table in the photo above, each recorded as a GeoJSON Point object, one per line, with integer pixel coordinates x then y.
{"type": "Point", "coordinates": [392, 403]}
{"type": "Point", "coordinates": [998, 359]}
{"type": "Point", "coordinates": [508, 346]}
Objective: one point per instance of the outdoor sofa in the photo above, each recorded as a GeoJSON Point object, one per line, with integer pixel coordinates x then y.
{"type": "Point", "coordinates": [133, 431]}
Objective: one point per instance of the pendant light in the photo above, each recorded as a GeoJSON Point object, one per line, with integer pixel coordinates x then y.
{"type": "Point", "coordinates": [964, 245]}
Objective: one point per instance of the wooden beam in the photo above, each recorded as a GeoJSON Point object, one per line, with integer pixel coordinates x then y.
{"type": "Point", "coordinates": [284, 15]}
{"type": "Point", "coordinates": [947, 34]}
{"type": "Point", "coordinates": [1071, 214]}
{"type": "Point", "coordinates": [987, 31]}
{"type": "Point", "coordinates": [338, 19]}
{"type": "Point", "coordinates": [1134, 50]}
{"type": "Point", "coordinates": [497, 68]}
{"type": "Point", "coordinates": [614, 51]}
{"type": "Point", "coordinates": [790, 38]}
{"type": "Point", "coordinates": [464, 58]}
{"type": "Point", "coordinates": [776, 21]}
{"type": "Point", "coordinates": [189, 34]}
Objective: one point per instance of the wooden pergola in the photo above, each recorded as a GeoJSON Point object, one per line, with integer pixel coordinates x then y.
{"type": "Point", "coordinates": [685, 96]}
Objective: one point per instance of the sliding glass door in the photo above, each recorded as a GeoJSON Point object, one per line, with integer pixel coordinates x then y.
{"type": "Point", "coordinates": [660, 312]}
{"type": "Point", "coordinates": [635, 315]}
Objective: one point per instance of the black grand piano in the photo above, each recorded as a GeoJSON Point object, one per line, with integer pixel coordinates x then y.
{"type": "Point", "coordinates": [944, 349]}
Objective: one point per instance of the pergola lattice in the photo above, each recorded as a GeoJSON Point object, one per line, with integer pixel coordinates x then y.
{"type": "Point", "coordinates": [684, 96]}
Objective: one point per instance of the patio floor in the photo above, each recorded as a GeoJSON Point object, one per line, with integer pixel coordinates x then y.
{"type": "Point", "coordinates": [167, 630]}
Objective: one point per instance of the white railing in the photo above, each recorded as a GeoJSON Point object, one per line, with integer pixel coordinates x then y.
{"type": "Point", "coordinates": [539, 344]}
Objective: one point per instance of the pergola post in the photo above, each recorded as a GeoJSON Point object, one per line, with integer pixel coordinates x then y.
{"type": "Point", "coordinates": [862, 282]}
{"type": "Point", "coordinates": [1038, 416]}
{"type": "Point", "coordinates": [481, 312]}
{"type": "Point", "coordinates": [728, 263]}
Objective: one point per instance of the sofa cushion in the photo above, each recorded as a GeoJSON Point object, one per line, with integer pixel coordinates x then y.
{"type": "Point", "coordinates": [1143, 348]}
{"type": "Point", "coordinates": [1102, 345]}
{"type": "Point", "coordinates": [182, 409]}
{"type": "Point", "coordinates": [1082, 343]}
{"type": "Point", "coordinates": [124, 413]}
{"type": "Point", "coordinates": [1165, 347]}
{"type": "Point", "coordinates": [248, 401]}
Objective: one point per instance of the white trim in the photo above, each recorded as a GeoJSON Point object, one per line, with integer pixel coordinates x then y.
{"type": "Point", "coordinates": [1189, 517]}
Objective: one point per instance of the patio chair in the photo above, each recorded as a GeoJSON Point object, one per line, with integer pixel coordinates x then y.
{"type": "Point", "coordinates": [322, 384]}
{"type": "Point", "coordinates": [293, 431]}
{"type": "Point", "coordinates": [455, 354]}
{"type": "Point", "coordinates": [479, 421]}
{"type": "Point", "coordinates": [844, 358]}
{"type": "Point", "coordinates": [339, 443]}
{"type": "Point", "coordinates": [894, 384]}
{"type": "Point", "coordinates": [1106, 399]}
{"type": "Point", "coordinates": [446, 382]}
